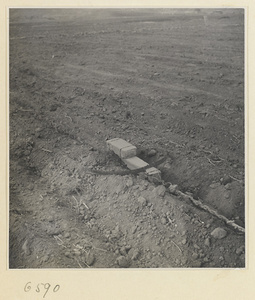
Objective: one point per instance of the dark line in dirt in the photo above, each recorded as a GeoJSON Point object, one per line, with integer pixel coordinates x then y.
{"type": "Point", "coordinates": [127, 172]}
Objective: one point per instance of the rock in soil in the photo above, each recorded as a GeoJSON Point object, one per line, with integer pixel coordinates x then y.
{"type": "Point", "coordinates": [194, 255]}
{"type": "Point", "coordinates": [90, 259]}
{"type": "Point", "coordinates": [77, 252]}
{"type": "Point", "coordinates": [240, 250]}
{"type": "Point", "coordinates": [123, 251]}
{"type": "Point", "coordinates": [163, 220]}
{"type": "Point", "coordinates": [123, 262]}
{"type": "Point", "coordinates": [142, 201]}
{"type": "Point", "coordinates": [152, 152]}
{"type": "Point", "coordinates": [50, 218]}
{"type": "Point", "coordinates": [128, 247]}
{"type": "Point", "coordinates": [219, 233]}
{"type": "Point", "coordinates": [68, 254]}
{"type": "Point", "coordinates": [129, 182]}
{"type": "Point", "coordinates": [207, 242]}
{"type": "Point", "coordinates": [184, 241]}
{"type": "Point", "coordinates": [67, 235]}
{"type": "Point", "coordinates": [173, 188]}
{"type": "Point", "coordinates": [135, 254]}
{"type": "Point", "coordinates": [196, 264]}
{"type": "Point", "coordinates": [226, 179]}
{"type": "Point", "coordinates": [160, 190]}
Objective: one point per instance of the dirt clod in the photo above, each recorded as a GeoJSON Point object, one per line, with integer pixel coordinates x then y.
{"type": "Point", "coordinates": [173, 188]}
{"type": "Point", "coordinates": [152, 152]}
{"type": "Point", "coordinates": [240, 250]}
{"type": "Point", "coordinates": [123, 262]}
{"type": "Point", "coordinates": [219, 233]}
{"type": "Point", "coordinates": [207, 242]}
{"type": "Point", "coordinates": [160, 191]}
{"type": "Point", "coordinates": [90, 258]}
{"type": "Point", "coordinates": [142, 201]}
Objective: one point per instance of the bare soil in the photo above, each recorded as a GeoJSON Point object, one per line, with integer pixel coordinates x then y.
{"type": "Point", "coordinates": [167, 80]}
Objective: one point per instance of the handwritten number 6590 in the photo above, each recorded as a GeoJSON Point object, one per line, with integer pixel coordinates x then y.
{"type": "Point", "coordinates": [45, 289]}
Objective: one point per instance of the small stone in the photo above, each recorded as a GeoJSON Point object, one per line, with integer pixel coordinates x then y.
{"type": "Point", "coordinates": [219, 233]}
{"type": "Point", "coordinates": [152, 152]}
{"type": "Point", "coordinates": [183, 233]}
{"type": "Point", "coordinates": [67, 235]}
{"type": "Point", "coordinates": [30, 187]}
{"type": "Point", "coordinates": [167, 166]}
{"type": "Point", "coordinates": [27, 152]}
{"type": "Point", "coordinates": [45, 258]}
{"type": "Point", "coordinates": [68, 254]}
{"type": "Point", "coordinates": [207, 242]}
{"type": "Point", "coordinates": [77, 252]}
{"type": "Point", "coordinates": [148, 256]}
{"type": "Point", "coordinates": [123, 262]}
{"type": "Point", "coordinates": [227, 195]}
{"type": "Point", "coordinates": [163, 220]}
{"type": "Point", "coordinates": [184, 260]}
{"type": "Point", "coordinates": [135, 254]}
{"type": "Point", "coordinates": [221, 249]}
{"type": "Point", "coordinates": [196, 264]}
{"type": "Point", "coordinates": [242, 257]}
{"type": "Point", "coordinates": [196, 246]}
{"type": "Point", "coordinates": [173, 188]}
{"type": "Point", "coordinates": [214, 185]}
{"type": "Point", "coordinates": [53, 107]}
{"type": "Point", "coordinates": [54, 231]}
{"type": "Point", "coordinates": [50, 218]}
{"type": "Point", "coordinates": [123, 251]}
{"type": "Point", "coordinates": [226, 179]}
{"type": "Point", "coordinates": [129, 183]}
{"type": "Point", "coordinates": [90, 258]}
{"type": "Point", "coordinates": [228, 186]}
{"type": "Point", "coordinates": [195, 255]}
{"type": "Point", "coordinates": [160, 190]}
{"type": "Point", "coordinates": [127, 247]}
{"type": "Point", "coordinates": [142, 201]}
{"type": "Point", "coordinates": [184, 241]}
{"type": "Point", "coordinates": [240, 250]}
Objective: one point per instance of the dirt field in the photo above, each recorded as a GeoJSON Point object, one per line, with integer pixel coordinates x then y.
{"type": "Point", "coordinates": [169, 81]}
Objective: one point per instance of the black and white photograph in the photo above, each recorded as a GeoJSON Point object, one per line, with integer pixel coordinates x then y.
{"type": "Point", "coordinates": [126, 138]}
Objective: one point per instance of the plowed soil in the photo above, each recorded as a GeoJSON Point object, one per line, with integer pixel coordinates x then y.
{"type": "Point", "coordinates": [166, 80]}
